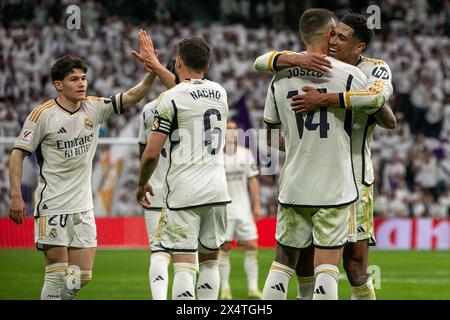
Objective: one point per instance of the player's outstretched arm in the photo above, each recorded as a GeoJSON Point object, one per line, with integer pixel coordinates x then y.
{"type": "Point", "coordinates": [149, 57]}
{"type": "Point", "coordinates": [135, 94]}
{"type": "Point", "coordinates": [17, 206]}
{"type": "Point", "coordinates": [385, 117]}
{"type": "Point", "coordinates": [378, 90]}
{"type": "Point", "coordinates": [277, 60]}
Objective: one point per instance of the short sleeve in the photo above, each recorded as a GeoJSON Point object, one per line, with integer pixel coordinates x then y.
{"type": "Point", "coordinates": [163, 115]}
{"type": "Point", "coordinates": [271, 115]}
{"type": "Point", "coordinates": [32, 133]}
{"type": "Point", "coordinates": [142, 137]}
{"type": "Point", "coordinates": [105, 107]}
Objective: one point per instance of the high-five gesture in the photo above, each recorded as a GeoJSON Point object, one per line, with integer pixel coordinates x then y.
{"type": "Point", "coordinates": [147, 52]}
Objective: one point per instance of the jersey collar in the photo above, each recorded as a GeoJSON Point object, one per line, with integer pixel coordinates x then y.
{"type": "Point", "coordinates": [64, 109]}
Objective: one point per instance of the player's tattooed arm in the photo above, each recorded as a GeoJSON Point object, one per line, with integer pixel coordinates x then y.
{"type": "Point", "coordinates": [278, 60]}
{"type": "Point", "coordinates": [385, 117]}
{"type": "Point", "coordinates": [148, 56]}
{"type": "Point", "coordinates": [17, 206]}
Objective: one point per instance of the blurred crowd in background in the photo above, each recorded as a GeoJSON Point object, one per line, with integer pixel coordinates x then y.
{"type": "Point", "coordinates": [412, 162]}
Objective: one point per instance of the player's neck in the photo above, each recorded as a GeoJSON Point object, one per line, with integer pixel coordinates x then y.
{"type": "Point", "coordinates": [68, 104]}
{"type": "Point", "coordinates": [319, 48]}
{"type": "Point", "coordinates": [185, 74]}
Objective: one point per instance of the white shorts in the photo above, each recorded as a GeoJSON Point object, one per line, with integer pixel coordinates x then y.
{"type": "Point", "coordinates": [299, 227]}
{"type": "Point", "coordinates": [152, 223]}
{"type": "Point", "coordinates": [74, 230]}
{"type": "Point", "coordinates": [241, 230]}
{"type": "Point", "coordinates": [184, 230]}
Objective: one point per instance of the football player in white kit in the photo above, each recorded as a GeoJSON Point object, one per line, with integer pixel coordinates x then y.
{"type": "Point", "coordinates": [64, 133]}
{"type": "Point", "coordinates": [242, 176]}
{"type": "Point", "coordinates": [349, 39]}
{"type": "Point", "coordinates": [317, 184]}
{"type": "Point", "coordinates": [159, 258]}
{"type": "Point", "coordinates": [193, 116]}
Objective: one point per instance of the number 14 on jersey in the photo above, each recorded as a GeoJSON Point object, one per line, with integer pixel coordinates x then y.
{"type": "Point", "coordinates": [308, 123]}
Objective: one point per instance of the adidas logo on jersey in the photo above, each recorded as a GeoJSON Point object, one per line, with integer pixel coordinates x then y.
{"type": "Point", "coordinates": [319, 290]}
{"type": "Point", "coordinates": [62, 130]}
{"type": "Point", "coordinates": [205, 286]}
{"type": "Point", "coordinates": [361, 230]}
{"type": "Point", "coordinates": [158, 278]}
{"type": "Point", "coordinates": [185, 294]}
{"type": "Point", "coordinates": [279, 287]}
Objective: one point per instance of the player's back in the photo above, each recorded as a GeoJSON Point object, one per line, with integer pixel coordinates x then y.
{"type": "Point", "coordinates": [318, 170]}
{"type": "Point", "coordinates": [196, 174]}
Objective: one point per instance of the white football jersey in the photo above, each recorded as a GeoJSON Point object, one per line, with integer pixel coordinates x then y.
{"type": "Point", "coordinates": [194, 114]}
{"type": "Point", "coordinates": [239, 167]}
{"type": "Point", "coordinates": [318, 169]}
{"type": "Point", "coordinates": [158, 177]}
{"type": "Point", "coordinates": [379, 82]}
{"type": "Point", "coordinates": [65, 144]}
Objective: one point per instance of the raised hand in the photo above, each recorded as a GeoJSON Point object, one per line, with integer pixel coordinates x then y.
{"type": "Point", "coordinates": [147, 53]}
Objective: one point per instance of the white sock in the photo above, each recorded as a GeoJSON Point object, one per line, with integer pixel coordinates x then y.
{"type": "Point", "coordinates": [53, 281]}
{"type": "Point", "coordinates": [74, 281]}
{"type": "Point", "coordinates": [326, 287]}
{"type": "Point", "coordinates": [158, 275]}
{"type": "Point", "coordinates": [251, 270]}
{"type": "Point", "coordinates": [305, 287]}
{"type": "Point", "coordinates": [277, 282]}
{"type": "Point", "coordinates": [209, 280]}
{"type": "Point", "coordinates": [224, 270]}
{"type": "Point", "coordinates": [364, 292]}
{"type": "Point", "coordinates": [183, 281]}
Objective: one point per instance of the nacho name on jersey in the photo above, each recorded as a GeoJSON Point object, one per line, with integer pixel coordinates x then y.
{"type": "Point", "coordinates": [75, 147]}
{"type": "Point", "coordinates": [205, 93]}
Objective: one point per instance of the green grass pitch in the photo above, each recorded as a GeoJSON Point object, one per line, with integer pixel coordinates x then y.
{"type": "Point", "coordinates": [122, 274]}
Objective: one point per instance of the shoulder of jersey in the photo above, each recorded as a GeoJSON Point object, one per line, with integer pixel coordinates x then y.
{"type": "Point", "coordinates": [373, 61]}
{"type": "Point", "coordinates": [93, 100]}
{"type": "Point", "coordinates": [346, 67]}
{"type": "Point", "coordinates": [149, 106]}
{"type": "Point", "coordinates": [216, 84]}
{"type": "Point", "coordinates": [37, 112]}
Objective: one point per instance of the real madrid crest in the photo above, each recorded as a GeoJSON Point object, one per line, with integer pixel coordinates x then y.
{"type": "Point", "coordinates": [88, 124]}
{"type": "Point", "coordinates": [52, 234]}
{"type": "Point", "coordinates": [155, 123]}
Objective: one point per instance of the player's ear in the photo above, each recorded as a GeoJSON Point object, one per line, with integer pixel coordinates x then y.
{"type": "Point", "coordinates": [58, 85]}
{"type": "Point", "coordinates": [360, 47]}
{"type": "Point", "coordinates": [178, 63]}
{"type": "Point", "coordinates": [205, 69]}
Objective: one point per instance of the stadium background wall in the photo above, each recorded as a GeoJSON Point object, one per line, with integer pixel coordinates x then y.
{"type": "Point", "coordinates": [129, 232]}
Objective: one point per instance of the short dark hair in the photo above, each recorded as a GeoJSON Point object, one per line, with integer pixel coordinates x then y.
{"type": "Point", "coordinates": [312, 21]}
{"type": "Point", "coordinates": [195, 53]}
{"type": "Point", "coordinates": [64, 66]}
{"type": "Point", "coordinates": [358, 23]}
{"type": "Point", "coordinates": [171, 66]}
